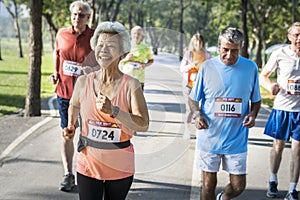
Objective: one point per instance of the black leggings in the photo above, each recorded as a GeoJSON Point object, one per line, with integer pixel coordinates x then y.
{"type": "Point", "coordinates": [93, 189]}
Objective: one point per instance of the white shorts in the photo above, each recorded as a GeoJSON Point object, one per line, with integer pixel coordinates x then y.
{"type": "Point", "coordinates": [232, 163]}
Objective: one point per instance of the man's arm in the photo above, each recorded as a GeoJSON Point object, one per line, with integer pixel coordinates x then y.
{"type": "Point", "coordinates": [249, 120]}
{"type": "Point", "coordinates": [265, 81]}
{"type": "Point", "coordinates": [194, 105]}
{"type": "Point", "coordinates": [200, 121]}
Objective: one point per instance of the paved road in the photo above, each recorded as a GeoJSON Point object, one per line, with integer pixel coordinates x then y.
{"type": "Point", "coordinates": [30, 158]}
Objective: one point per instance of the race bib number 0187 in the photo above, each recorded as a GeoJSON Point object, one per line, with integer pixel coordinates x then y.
{"type": "Point", "coordinates": [104, 131]}
{"type": "Point", "coordinates": [228, 107]}
{"type": "Point", "coordinates": [293, 87]}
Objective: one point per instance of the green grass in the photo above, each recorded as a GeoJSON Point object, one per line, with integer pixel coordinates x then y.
{"type": "Point", "coordinates": [14, 73]}
{"type": "Point", "coordinates": [267, 97]}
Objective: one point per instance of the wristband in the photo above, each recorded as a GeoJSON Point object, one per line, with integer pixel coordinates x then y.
{"type": "Point", "coordinates": [196, 113]}
{"type": "Point", "coordinates": [115, 112]}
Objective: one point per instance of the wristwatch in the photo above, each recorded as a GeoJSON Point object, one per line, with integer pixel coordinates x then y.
{"type": "Point", "coordinates": [196, 113]}
{"type": "Point", "coordinates": [115, 112]}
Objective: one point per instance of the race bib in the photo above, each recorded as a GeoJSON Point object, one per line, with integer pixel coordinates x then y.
{"type": "Point", "coordinates": [104, 131]}
{"type": "Point", "coordinates": [71, 68]}
{"type": "Point", "coordinates": [134, 65]}
{"type": "Point", "coordinates": [228, 107]}
{"type": "Point", "coordinates": [293, 87]}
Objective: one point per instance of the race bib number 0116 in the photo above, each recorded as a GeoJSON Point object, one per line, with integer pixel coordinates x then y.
{"type": "Point", "coordinates": [71, 68]}
{"type": "Point", "coordinates": [104, 131]}
{"type": "Point", "coordinates": [228, 107]}
{"type": "Point", "coordinates": [293, 87]}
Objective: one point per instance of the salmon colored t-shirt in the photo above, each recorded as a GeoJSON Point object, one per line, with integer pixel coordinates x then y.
{"type": "Point", "coordinates": [70, 51]}
{"type": "Point", "coordinates": [105, 164]}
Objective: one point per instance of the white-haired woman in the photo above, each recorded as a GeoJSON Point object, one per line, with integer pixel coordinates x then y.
{"type": "Point", "coordinates": [112, 106]}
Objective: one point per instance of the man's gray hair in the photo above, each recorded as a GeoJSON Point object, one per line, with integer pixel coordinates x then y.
{"type": "Point", "coordinates": [137, 28]}
{"type": "Point", "coordinates": [295, 24]}
{"type": "Point", "coordinates": [233, 35]}
{"type": "Point", "coordinates": [84, 5]}
{"type": "Point", "coordinates": [113, 28]}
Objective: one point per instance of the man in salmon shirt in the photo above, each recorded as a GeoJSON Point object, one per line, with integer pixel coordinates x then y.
{"type": "Point", "coordinates": [71, 48]}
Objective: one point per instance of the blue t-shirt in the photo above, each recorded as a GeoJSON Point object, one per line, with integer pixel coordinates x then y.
{"type": "Point", "coordinates": [225, 93]}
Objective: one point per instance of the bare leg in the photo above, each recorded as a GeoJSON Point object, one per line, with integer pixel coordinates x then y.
{"type": "Point", "coordinates": [209, 185]}
{"type": "Point", "coordinates": [67, 153]}
{"type": "Point", "coordinates": [276, 155]}
{"type": "Point", "coordinates": [295, 161]}
{"type": "Point", "coordinates": [236, 186]}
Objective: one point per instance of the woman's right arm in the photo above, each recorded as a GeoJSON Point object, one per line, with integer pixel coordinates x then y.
{"type": "Point", "coordinates": [74, 107]}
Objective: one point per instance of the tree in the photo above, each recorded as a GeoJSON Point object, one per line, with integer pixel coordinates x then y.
{"type": "Point", "coordinates": [182, 8]}
{"type": "Point", "coordinates": [56, 13]}
{"type": "Point", "coordinates": [14, 10]}
{"type": "Point", "coordinates": [245, 29]}
{"type": "Point", "coordinates": [33, 99]}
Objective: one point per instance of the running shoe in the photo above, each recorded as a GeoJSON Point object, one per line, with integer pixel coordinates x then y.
{"type": "Point", "coordinates": [219, 196]}
{"type": "Point", "coordinates": [272, 190]}
{"type": "Point", "coordinates": [68, 183]}
{"type": "Point", "coordinates": [292, 195]}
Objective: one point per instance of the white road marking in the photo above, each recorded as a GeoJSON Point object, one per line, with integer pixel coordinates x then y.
{"type": "Point", "coordinates": [22, 137]}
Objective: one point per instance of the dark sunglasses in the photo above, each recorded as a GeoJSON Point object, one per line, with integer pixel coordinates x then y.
{"type": "Point", "coordinates": [80, 15]}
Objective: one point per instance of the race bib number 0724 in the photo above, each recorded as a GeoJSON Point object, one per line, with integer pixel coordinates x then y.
{"type": "Point", "coordinates": [104, 131]}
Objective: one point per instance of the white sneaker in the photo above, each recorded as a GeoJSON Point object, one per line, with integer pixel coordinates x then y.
{"type": "Point", "coordinates": [219, 196]}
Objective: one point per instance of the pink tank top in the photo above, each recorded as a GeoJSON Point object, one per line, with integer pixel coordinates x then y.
{"type": "Point", "coordinates": [105, 164]}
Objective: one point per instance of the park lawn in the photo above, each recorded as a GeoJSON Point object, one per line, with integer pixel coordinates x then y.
{"type": "Point", "coordinates": [14, 74]}
{"type": "Point", "coordinates": [267, 97]}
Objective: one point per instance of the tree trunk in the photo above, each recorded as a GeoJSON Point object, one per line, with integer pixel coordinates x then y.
{"type": "Point", "coordinates": [33, 99]}
{"type": "Point", "coordinates": [181, 32]}
{"type": "Point", "coordinates": [258, 58]}
{"type": "Point", "coordinates": [0, 50]}
{"type": "Point", "coordinates": [245, 29]}
{"type": "Point", "coordinates": [17, 27]}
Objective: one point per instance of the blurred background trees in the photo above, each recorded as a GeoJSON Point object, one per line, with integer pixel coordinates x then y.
{"type": "Point", "coordinates": [169, 25]}
{"type": "Point", "coordinates": [265, 22]}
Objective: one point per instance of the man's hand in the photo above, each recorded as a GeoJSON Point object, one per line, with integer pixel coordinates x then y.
{"type": "Point", "coordinates": [86, 69]}
{"type": "Point", "coordinates": [54, 78]}
{"type": "Point", "coordinates": [200, 122]}
{"type": "Point", "coordinates": [275, 89]}
{"type": "Point", "coordinates": [249, 121]}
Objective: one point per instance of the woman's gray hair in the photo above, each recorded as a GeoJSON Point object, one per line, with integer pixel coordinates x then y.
{"type": "Point", "coordinates": [233, 35]}
{"type": "Point", "coordinates": [84, 5]}
{"type": "Point", "coordinates": [113, 28]}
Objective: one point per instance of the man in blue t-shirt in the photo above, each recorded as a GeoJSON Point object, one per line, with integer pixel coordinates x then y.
{"type": "Point", "coordinates": [227, 88]}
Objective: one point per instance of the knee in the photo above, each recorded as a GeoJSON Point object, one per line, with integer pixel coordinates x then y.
{"type": "Point", "coordinates": [209, 186]}
{"type": "Point", "coordinates": [278, 146]}
{"type": "Point", "coordinates": [238, 188]}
